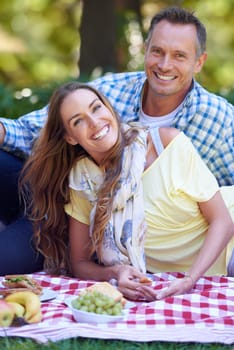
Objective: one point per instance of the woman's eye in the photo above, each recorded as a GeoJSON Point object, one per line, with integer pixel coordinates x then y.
{"type": "Point", "coordinates": [96, 107]}
{"type": "Point", "coordinates": [77, 121]}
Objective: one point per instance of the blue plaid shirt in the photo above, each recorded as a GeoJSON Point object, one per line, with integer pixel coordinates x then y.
{"type": "Point", "coordinates": [207, 119]}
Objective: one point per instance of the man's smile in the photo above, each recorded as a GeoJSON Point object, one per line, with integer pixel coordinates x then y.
{"type": "Point", "coordinates": [165, 77]}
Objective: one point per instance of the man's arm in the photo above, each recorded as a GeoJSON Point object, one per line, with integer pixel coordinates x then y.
{"type": "Point", "coordinates": [2, 133]}
{"type": "Point", "coordinates": [18, 135]}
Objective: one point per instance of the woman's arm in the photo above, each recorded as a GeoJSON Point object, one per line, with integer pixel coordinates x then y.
{"type": "Point", "coordinates": [220, 231]}
{"type": "Point", "coordinates": [85, 268]}
{"type": "Point", "coordinates": [82, 266]}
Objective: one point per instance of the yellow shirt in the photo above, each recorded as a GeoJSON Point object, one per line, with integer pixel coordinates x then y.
{"type": "Point", "coordinates": [173, 185]}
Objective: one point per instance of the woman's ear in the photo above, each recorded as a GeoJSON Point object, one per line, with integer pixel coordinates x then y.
{"type": "Point", "coordinates": [70, 140]}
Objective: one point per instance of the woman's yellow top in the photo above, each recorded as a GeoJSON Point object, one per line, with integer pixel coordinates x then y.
{"type": "Point", "coordinates": [173, 185]}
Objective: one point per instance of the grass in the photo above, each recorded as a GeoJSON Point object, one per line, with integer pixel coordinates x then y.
{"type": "Point", "coordinates": [100, 344]}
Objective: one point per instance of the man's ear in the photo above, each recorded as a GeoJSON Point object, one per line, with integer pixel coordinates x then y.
{"type": "Point", "coordinates": [200, 62]}
{"type": "Point", "coordinates": [70, 140]}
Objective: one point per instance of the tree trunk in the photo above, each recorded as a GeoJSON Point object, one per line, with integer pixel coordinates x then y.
{"type": "Point", "coordinates": [98, 37]}
{"type": "Point", "coordinates": [104, 41]}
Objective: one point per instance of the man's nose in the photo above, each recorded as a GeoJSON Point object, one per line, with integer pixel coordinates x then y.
{"type": "Point", "coordinates": [165, 63]}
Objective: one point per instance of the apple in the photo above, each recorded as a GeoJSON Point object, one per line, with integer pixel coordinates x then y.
{"type": "Point", "coordinates": [6, 314]}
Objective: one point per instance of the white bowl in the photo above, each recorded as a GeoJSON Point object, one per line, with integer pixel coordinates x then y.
{"type": "Point", "coordinates": [90, 317]}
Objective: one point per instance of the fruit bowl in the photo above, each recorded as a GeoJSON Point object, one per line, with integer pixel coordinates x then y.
{"type": "Point", "coordinates": [91, 317]}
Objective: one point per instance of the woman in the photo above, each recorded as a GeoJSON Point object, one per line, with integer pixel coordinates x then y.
{"type": "Point", "coordinates": [86, 161]}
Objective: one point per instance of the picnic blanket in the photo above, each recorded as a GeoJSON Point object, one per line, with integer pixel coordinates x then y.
{"type": "Point", "coordinates": [204, 315]}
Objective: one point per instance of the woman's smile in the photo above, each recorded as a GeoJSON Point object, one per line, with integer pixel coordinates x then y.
{"type": "Point", "coordinates": [100, 134]}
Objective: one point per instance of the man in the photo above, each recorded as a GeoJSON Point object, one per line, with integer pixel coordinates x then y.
{"type": "Point", "coordinates": [166, 94]}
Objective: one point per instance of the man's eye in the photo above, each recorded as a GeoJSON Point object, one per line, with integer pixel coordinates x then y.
{"type": "Point", "coordinates": [180, 55]}
{"type": "Point", "coordinates": [156, 51]}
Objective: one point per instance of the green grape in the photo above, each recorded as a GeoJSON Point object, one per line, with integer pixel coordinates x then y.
{"type": "Point", "coordinates": [95, 294]}
{"type": "Point", "coordinates": [84, 308]}
{"type": "Point", "coordinates": [86, 299]}
{"type": "Point", "coordinates": [116, 310]}
{"type": "Point", "coordinates": [109, 303]}
{"type": "Point", "coordinates": [99, 310]}
{"type": "Point", "coordinates": [97, 303]}
{"type": "Point", "coordinates": [92, 308]}
{"type": "Point", "coordinates": [76, 304]}
{"type": "Point", "coordinates": [109, 312]}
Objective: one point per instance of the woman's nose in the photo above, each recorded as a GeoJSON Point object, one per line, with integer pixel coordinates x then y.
{"type": "Point", "coordinates": [93, 121]}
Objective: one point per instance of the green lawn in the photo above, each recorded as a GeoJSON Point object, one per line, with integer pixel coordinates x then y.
{"type": "Point", "coordinates": [99, 344]}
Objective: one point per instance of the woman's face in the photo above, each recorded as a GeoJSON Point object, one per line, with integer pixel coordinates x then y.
{"type": "Point", "coordinates": [89, 122]}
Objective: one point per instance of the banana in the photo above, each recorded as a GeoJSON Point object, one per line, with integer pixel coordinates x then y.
{"type": "Point", "coordinates": [36, 318]}
{"type": "Point", "coordinates": [19, 309]}
{"type": "Point", "coordinates": [29, 300]}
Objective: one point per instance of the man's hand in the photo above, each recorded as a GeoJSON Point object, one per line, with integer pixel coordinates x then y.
{"type": "Point", "coordinates": [2, 133]}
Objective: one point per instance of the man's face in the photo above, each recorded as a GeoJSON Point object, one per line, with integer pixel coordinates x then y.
{"type": "Point", "coordinates": [171, 59]}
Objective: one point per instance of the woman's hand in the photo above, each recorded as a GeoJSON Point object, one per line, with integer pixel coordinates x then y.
{"type": "Point", "coordinates": [128, 283]}
{"type": "Point", "coordinates": [176, 287]}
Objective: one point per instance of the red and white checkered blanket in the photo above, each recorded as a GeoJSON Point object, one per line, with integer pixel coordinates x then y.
{"type": "Point", "coordinates": [204, 315]}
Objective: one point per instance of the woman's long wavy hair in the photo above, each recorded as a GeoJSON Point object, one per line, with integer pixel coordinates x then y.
{"type": "Point", "coordinates": [44, 186]}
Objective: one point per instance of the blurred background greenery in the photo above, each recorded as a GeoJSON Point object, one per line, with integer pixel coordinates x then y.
{"type": "Point", "coordinates": [44, 43]}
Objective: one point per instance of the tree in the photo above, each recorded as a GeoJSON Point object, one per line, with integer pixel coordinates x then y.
{"type": "Point", "coordinates": [104, 38]}
{"type": "Point", "coordinates": [48, 37]}
{"type": "Point", "coordinates": [98, 36]}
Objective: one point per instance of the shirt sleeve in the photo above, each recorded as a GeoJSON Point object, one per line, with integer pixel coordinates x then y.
{"type": "Point", "coordinates": [23, 131]}
{"type": "Point", "coordinates": [79, 208]}
{"type": "Point", "coordinates": [191, 174]}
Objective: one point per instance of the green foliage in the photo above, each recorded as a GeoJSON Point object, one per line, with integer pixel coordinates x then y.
{"type": "Point", "coordinates": [6, 98]}
{"type": "Point", "coordinates": [41, 40]}
{"type": "Point", "coordinates": [17, 102]}
{"type": "Point", "coordinates": [40, 43]}
{"type": "Point", "coordinates": [14, 103]}
{"type": "Point", "coordinates": [228, 94]}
